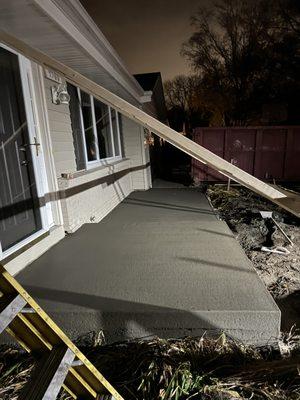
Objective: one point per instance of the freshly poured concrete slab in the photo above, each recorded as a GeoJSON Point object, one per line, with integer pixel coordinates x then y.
{"type": "Point", "coordinates": [161, 263]}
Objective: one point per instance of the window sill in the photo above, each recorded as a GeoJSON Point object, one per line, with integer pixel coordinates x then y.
{"type": "Point", "coordinates": [94, 167]}
{"type": "Point", "coordinates": [106, 163]}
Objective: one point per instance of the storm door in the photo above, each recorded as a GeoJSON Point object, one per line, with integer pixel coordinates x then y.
{"type": "Point", "coordinates": [20, 215]}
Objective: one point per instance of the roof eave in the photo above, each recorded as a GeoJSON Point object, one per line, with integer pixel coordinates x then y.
{"type": "Point", "coordinates": [69, 16]}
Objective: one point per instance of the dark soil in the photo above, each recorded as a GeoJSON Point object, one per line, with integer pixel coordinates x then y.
{"type": "Point", "coordinates": [281, 273]}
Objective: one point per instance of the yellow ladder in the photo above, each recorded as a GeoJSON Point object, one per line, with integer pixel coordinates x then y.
{"type": "Point", "coordinates": [59, 361]}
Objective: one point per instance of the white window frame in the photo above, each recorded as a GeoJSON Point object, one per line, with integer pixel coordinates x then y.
{"type": "Point", "coordinates": [111, 131]}
{"type": "Point", "coordinates": [99, 160]}
{"type": "Point", "coordinates": [119, 132]}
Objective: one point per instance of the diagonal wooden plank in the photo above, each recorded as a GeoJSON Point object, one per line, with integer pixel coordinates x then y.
{"type": "Point", "coordinates": [291, 202]}
{"type": "Point", "coordinates": [176, 139]}
{"type": "Point", "coordinates": [10, 306]}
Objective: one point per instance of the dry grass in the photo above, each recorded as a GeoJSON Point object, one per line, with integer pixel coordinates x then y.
{"type": "Point", "coordinates": [190, 368]}
{"type": "Point", "coordinates": [15, 370]}
{"type": "Point", "coordinates": [201, 368]}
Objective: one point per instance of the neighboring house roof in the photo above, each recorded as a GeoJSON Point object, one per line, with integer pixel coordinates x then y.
{"type": "Point", "coordinates": [66, 32]}
{"type": "Point", "coordinates": [152, 82]}
{"type": "Point", "coordinates": [148, 80]}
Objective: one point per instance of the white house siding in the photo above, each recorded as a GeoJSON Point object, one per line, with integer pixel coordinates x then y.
{"type": "Point", "coordinates": [137, 152]}
{"type": "Point", "coordinates": [82, 196]}
{"type": "Point", "coordinates": [85, 196]}
{"type": "Point", "coordinates": [61, 133]}
{"type": "Point", "coordinates": [65, 41]}
{"type": "Point", "coordinates": [88, 200]}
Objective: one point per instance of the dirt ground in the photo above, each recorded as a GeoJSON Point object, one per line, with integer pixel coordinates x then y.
{"type": "Point", "coordinates": [240, 208]}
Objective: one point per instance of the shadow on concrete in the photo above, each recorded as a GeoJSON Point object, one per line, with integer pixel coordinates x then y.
{"type": "Point", "coordinates": [290, 311]}
{"type": "Point", "coordinates": [117, 317]}
{"type": "Point", "coordinates": [215, 233]}
{"type": "Point", "coordinates": [200, 261]}
{"type": "Point", "coordinates": [125, 275]}
{"type": "Point", "coordinates": [176, 207]}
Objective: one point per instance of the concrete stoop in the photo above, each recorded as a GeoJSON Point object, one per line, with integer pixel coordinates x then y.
{"type": "Point", "coordinates": [161, 264]}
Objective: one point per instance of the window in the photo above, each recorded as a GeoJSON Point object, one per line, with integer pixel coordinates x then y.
{"type": "Point", "coordinates": [99, 130]}
{"type": "Point", "coordinates": [76, 126]}
{"type": "Point", "coordinates": [88, 126]}
{"type": "Point", "coordinates": [103, 130]}
{"type": "Point", "coordinates": [115, 131]}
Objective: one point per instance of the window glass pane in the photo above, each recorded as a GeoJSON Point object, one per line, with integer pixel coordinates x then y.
{"type": "Point", "coordinates": [103, 129]}
{"type": "Point", "coordinates": [115, 131]}
{"type": "Point", "coordinates": [76, 126]}
{"type": "Point", "coordinates": [88, 126]}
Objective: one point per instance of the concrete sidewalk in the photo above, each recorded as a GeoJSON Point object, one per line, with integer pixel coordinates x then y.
{"type": "Point", "coordinates": [160, 264]}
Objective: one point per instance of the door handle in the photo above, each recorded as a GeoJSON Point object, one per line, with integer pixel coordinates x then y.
{"type": "Point", "coordinates": [36, 144]}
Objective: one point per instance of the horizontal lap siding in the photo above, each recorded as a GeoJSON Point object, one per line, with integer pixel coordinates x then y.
{"type": "Point", "coordinates": [94, 203]}
{"type": "Point", "coordinates": [61, 133]}
{"type": "Point", "coordinates": [133, 138]}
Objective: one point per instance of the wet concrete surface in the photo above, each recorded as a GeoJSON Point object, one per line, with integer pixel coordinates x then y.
{"type": "Point", "coordinates": [161, 263]}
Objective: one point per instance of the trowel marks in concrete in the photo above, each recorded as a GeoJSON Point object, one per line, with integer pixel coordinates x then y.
{"type": "Point", "coordinates": [160, 264]}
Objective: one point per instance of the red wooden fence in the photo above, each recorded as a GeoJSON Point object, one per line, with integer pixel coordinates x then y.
{"type": "Point", "coordinates": [271, 152]}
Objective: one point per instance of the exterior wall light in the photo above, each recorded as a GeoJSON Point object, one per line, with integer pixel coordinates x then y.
{"type": "Point", "coordinates": [60, 94]}
{"type": "Point", "coordinates": [148, 138]}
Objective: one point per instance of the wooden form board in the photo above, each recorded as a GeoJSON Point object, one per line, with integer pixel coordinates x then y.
{"type": "Point", "coordinates": [176, 139]}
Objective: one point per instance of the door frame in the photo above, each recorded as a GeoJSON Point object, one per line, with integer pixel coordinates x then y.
{"type": "Point", "coordinates": [39, 168]}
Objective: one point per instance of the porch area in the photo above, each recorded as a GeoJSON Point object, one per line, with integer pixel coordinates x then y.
{"type": "Point", "coordinates": [161, 263]}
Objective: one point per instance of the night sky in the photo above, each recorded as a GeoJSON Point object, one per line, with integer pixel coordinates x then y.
{"type": "Point", "coordinates": [147, 34]}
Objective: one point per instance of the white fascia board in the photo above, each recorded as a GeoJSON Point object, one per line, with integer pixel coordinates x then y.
{"type": "Point", "coordinates": [52, 9]}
